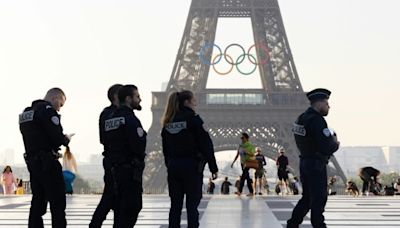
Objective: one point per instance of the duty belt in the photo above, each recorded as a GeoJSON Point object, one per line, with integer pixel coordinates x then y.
{"type": "Point", "coordinates": [34, 155]}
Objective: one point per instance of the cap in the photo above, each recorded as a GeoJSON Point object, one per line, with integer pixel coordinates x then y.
{"type": "Point", "coordinates": [318, 94]}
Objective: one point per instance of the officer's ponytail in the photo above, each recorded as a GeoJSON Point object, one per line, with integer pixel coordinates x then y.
{"type": "Point", "coordinates": [171, 108]}
{"type": "Point", "coordinates": [175, 102]}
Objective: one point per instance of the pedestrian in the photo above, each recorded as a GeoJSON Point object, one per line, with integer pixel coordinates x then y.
{"type": "Point", "coordinates": [246, 152]}
{"type": "Point", "coordinates": [8, 181]}
{"type": "Point", "coordinates": [369, 176]}
{"type": "Point", "coordinates": [294, 186]}
{"type": "Point", "coordinates": [125, 142]}
{"type": "Point", "coordinates": [225, 187]}
{"type": "Point", "coordinates": [331, 186]}
{"type": "Point", "coordinates": [316, 143]}
{"type": "Point", "coordinates": [20, 187]}
{"type": "Point", "coordinates": [210, 187]}
{"type": "Point", "coordinates": [352, 188]}
{"type": "Point", "coordinates": [43, 135]}
{"type": "Point", "coordinates": [69, 170]}
{"type": "Point", "coordinates": [259, 173]}
{"type": "Point", "coordinates": [187, 147]}
{"type": "Point", "coordinates": [237, 184]}
{"type": "Point", "coordinates": [282, 163]}
{"type": "Point", "coordinates": [397, 186]}
{"type": "Point", "coordinates": [107, 199]}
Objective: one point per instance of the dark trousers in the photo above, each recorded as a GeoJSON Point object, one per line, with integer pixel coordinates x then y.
{"type": "Point", "coordinates": [245, 176]}
{"type": "Point", "coordinates": [107, 199]}
{"type": "Point", "coordinates": [128, 197]}
{"type": "Point", "coordinates": [314, 179]}
{"type": "Point", "coordinates": [47, 185]}
{"type": "Point", "coordinates": [184, 178]}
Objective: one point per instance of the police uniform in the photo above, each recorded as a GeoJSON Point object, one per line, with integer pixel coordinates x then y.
{"type": "Point", "coordinates": [126, 145]}
{"type": "Point", "coordinates": [43, 135]}
{"type": "Point", "coordinates": [107, 199]}
{"type": "Point", "coordinates": [316, 144]}
{"type": "Point", "coordinates": [187, 147]}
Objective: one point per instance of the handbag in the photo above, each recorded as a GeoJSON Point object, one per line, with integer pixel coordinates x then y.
{"type": "Point", "coordinates": [252, 164]}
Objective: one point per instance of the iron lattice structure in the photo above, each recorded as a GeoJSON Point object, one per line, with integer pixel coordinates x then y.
{"type": "Point", "coordinates": [267, 114]}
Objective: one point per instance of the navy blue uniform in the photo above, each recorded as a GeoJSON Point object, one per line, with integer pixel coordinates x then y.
{"type": "Point", "coordinates": [43, 135]}
{"type": "Point", "coordinates": [107, 199]}
{"type": "Point", "coordinates": [316, 144]}
{"type": "Point", "coordinates": [126, 145]}
{"type": "Point", "coordinates": [187, 147]}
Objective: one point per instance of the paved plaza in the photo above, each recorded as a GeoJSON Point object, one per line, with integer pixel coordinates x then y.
{"type": "Point", "coordinates": [221, 211]}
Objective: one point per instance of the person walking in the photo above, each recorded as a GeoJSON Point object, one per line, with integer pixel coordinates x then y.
{"type": "Point", "coordinates": [125, 142]}
{"type": "Point", "coordinates": [42, 134]}
{"type": "Point", "coordinates": [8, 181]}
{"type": "Point", "coordinates": [316, 143]}
{"type": "Point", "coordinates": [282, 163]}
{"type": "Point", "coordinates": [246, 152]}
{"type": "Point", "coordinates": [259, 173]}
{"type": "Point", "coordinates": [107, 198]}
{"type": "Point", "coordinates": [187, 147]}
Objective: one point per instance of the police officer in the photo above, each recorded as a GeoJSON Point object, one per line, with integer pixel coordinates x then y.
{"type": "Point", "coordinates": [126, 143]}
{"type": "Point", "coordinates": [43, 135]}
{"type": "Point", "coordinates": [187, 147]}
{"type": "Point", "coordinates": [316, 143]}
{"type": "Point", "coordinates": [107, 199]}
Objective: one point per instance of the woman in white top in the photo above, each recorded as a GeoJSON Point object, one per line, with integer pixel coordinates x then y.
{"type": "Point", "coordinates": [69, 170]}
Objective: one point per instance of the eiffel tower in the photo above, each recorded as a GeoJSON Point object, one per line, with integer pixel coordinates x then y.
{"type": "Point", "coordinates": [266, 114]}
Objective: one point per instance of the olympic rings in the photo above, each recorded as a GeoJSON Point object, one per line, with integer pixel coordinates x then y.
{"type": "Point", "coordinates": [225, 73]}
{"type": "Point", "coordinates": [263, 53]}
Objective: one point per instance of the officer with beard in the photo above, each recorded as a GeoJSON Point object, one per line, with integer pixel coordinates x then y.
{"type": "Point", "coordinates": [126, 139]}
{"type": "Point", "coordinates": [316, 143]}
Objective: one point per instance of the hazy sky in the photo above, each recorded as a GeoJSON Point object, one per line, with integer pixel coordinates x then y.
{"type": "Point", "coordinates": [348, 46]}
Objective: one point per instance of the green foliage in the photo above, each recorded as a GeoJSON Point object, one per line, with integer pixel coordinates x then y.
{"type": "Point", "coordinates": [389, 178]}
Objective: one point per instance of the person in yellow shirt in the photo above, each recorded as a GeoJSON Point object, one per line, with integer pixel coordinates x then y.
{"type": "Point", "coordinates": [20, 188]}
{"type": "Point", "coordinates": [246, 152]}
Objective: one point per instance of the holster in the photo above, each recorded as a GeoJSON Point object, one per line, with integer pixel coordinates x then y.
{"type": "Point", "coordinates": [46, 158]}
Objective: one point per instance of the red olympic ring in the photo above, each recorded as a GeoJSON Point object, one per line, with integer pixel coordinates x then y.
{"type": "Point", "coordinates": [225, 73]}
{"type": "Point", "coordinates": [265, 48]}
